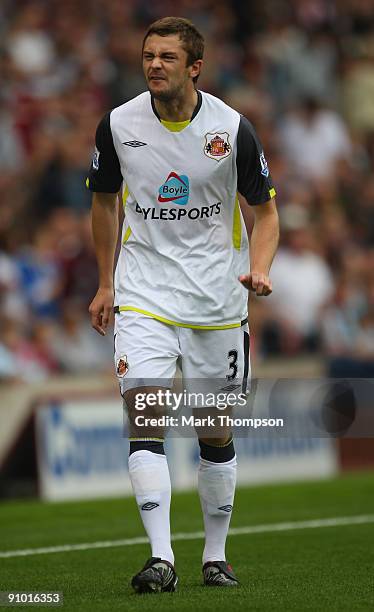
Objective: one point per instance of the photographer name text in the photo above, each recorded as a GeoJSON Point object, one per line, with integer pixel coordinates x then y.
{"type": "Point", "coordinates": [221, 420]}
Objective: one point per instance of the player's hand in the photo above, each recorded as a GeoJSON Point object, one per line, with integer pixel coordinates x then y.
{"type": "Point", "coordinates": [100, 309]}
{"type": "Point", "coordinates": [257, 282]}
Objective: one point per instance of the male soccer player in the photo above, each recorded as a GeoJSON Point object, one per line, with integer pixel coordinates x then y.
{"type": "Point", "coordinates": [180, 157]}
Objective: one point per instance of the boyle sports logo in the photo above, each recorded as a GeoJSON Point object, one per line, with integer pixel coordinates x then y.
{"type": "Point", "coordinates": [175, 189]}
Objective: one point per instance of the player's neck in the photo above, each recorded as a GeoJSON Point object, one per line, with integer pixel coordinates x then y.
{"type": "Point", "coordinates": [178, 109]}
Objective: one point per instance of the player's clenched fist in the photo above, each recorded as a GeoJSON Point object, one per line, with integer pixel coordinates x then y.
{"type": "Point", "coordinates": [100, 310]}
{"type": "Point", "coordinates": [257, 282]}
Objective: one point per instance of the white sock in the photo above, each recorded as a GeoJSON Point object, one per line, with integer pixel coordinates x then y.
{"type": "Point", "coordinates": [150, 479]}
{"type": "Point", "coordinates": [216, 485]}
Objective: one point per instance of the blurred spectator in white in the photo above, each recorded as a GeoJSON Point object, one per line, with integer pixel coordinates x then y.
{"type": "Point", "coordinates": [312, 67]}
{"type": "Point", "coordinates": [348, 332]}
{"type": "Point", "coordinates": [22, 359]}
{"type": "Point", "coordinates": [340, 319]}
{"type": "Point", "coordinates": [28, 43]}
{"type": "Point", "coordinates": [8, 369]}
{"type": "Point", "coordinates": [302, 283]}
{"type": "Point", "coordinates": [314, 139]}
{"type": "Point", "coordinates": [12, 300]}
{"type": "Point", "coordinates": [75, 345]}
{"type": "Point", "coordinates": [301, 64]}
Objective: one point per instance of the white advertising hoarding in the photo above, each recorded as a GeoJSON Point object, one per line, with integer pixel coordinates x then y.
{"type": "Point", "coordinates": [81, 449]}
{"type": "Point", "coordinates": [82, 453]}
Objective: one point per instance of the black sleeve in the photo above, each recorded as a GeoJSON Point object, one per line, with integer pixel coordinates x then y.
{"type": "Point", "coordinates": [105, 172]}
{"type": "Point", "coordinates": [254, 180]}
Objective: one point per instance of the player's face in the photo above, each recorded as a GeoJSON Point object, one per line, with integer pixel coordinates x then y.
{"type": "Point", "coordinates": [165, 67]}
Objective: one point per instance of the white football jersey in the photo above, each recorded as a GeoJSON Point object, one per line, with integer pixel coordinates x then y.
{"type": "Point", "coordinates": [184, 242]}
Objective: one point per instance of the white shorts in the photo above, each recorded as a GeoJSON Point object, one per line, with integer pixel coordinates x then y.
{"type": "Point", "coordinates": [148, 351]}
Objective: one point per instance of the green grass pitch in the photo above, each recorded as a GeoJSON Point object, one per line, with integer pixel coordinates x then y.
{"type": "Point", "coordinates": [323, 569]}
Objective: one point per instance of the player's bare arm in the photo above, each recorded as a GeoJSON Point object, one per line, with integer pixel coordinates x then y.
{"type": "Point", "coordinates": [105, 232]}
{"type": "Point", "coordinates": [263, 245]}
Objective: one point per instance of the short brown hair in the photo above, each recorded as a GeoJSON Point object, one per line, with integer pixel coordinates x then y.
{"type": "Point", "coordinates": [193, 41]}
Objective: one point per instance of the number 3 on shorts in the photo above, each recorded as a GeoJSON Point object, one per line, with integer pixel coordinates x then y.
{"type": "Point", "coordinates": [233, 358]}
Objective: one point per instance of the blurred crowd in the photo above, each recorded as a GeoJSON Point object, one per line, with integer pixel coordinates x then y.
{"type": "Point", "coordinates": [301, 70]}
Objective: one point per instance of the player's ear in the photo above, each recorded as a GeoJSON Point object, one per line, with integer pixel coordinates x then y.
{"type": "Point", "coordinates": [195, 68]}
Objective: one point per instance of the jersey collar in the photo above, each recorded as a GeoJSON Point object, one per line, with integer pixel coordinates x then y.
{"type": "Point", "coordinates": [196, 109]}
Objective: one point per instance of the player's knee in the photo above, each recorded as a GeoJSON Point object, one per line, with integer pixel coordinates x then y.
{"type": "Point", "coordinates": [144, 418]}
{"type": "Point", "coordinates": [217, 450]}
{"type": "Point", "coordinates": [142, 401]}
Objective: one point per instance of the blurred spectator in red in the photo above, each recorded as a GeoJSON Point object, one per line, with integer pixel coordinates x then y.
{"type": "Point", "coordinates": [81, 276]}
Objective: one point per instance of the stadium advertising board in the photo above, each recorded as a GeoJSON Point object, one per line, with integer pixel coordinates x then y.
{"type": "Point", "coordinates": [82, 453]}
{"type": "Point", "coordinates": [81, 450]}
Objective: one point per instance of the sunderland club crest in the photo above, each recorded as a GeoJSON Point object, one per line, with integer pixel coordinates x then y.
{"type": "Point", "coordinates": [122, 366]}
{"type": "Point", "coordinates": [217, 145]}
